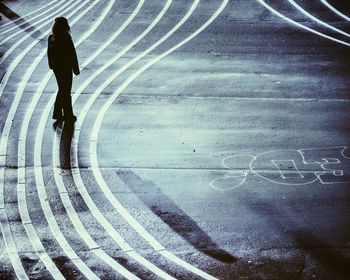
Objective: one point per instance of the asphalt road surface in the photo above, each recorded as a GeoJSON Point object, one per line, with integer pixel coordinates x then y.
{"type": "Point", "coordinates": [211, 142]}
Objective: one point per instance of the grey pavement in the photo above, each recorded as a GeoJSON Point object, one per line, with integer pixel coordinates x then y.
{"type": "Point", "coordinates": [226, 159]}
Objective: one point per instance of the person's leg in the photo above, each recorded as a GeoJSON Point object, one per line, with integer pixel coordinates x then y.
{"type": "Point", "coordinates": [58, 106]}
{"type": "Point", "coordinates": [64, 100]}
{"type": "Point", "coordinates": [67, 99]}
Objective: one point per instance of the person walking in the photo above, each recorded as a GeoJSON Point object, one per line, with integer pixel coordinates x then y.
{"type": "Point", "coordinates": [63, 61]}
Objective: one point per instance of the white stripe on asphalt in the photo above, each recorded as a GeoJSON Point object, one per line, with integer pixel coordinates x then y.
{"type": "Point", "coordinates": [14, 46]}
{"type": "Point", "coordinates": [40, 184]}
{"type": "Point", "coordinates": [64, 196]}
{"type": "Point", "coordinates": [70, 210]}
{"type": "Point", "coordinates": [10, 244]}
{"type": "Point", "coordinates": [95, 211]}
{"type": "Point", "coordinates": [262, 2]}
{"type": "Point", "coordinates": [12, 250]}
{"type": "Point", "coordinates": [31, 20]}
{"type": "Point", "coordinates": [27, 15]}
{"type": "Point", "coordinates": [101, 219]}
{"type": "Point", "coordinates": [153, 242]}
{"type": "Point", "coordinates": [78, 225]}
{"type": "Point", "coordinates": [19, 57]}
{"type": "Point", "coordinates": [118, 55]}
{"type": "Point", "coordinates": [306, 13]}
{"type": "Point", "coordinates": [21, 172]}
{"type": "Point", "coordinates": [22, 85]}
{"type": "Point", "coordinates": [39, 180]}
{"type": "Point", "coordinates": [332, 8]}
{"type": "Point", "coordinates": [115, 35]}
{"type": "Point", "coordinates": [95, 166]}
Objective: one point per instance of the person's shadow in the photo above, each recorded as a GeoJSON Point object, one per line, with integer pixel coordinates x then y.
{"type": "Point", "coordinates": [325, 252]}
{"type": "Point", "coordinates": [65, 143]}
{"type": "Point", "coordinates": [174, 216]}
{"type": "Point", "coordinates": [21, 22]}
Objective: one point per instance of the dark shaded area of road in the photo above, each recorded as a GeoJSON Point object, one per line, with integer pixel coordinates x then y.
{"type": "Point", "coordinates": [19, 21]}
{"type": "Point", "coordinates": [173, 216]}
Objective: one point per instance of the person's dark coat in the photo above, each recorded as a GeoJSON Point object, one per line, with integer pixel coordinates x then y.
{"type": "Point", "coordinates": [63, 61]}
{"type": "Point", "coordinates": [61, 53]}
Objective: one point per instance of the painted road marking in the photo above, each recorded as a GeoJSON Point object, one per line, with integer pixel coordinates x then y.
{"type": "Point", "coordinates": [93, 208]}
{"type": "Point", "coordinates": [27, 15]}
{"type": "Point", "coordinates": [95, 166]}
{"type": "Point", "coordinates": [30, 25]}
{"type": "Point", "coordinates": [150, 238]}
{"type": "Point", "coordinates": [36, 98]}
{"type": "Point", "coordinates": [102, 220]}
{"type": "Point", "coordinates": [287, 168]}
{"type": "Point", "coordinates": [332, 8]}
{"type": "Point", "coordinates": [116, 236]}
{"type": "Point", "coordinates": [36, 41]}
{"type": "Point", "coordinates": [306, 13]}
{"type": "Point", "coordinates": [84, 112]}
{"type": "Point", "coordinates": [327, 165]}
{"type": "Point", "coordinates": [157, 246]}
{"type": "Point", "coordinates": [239, 178]}
{"type": "Point", "coordinates": [104, 46]}
{"type": "Point", "coordinates": [262, 2]}
{"type": "Point", "coordinates": [42, 194]}
{"type": "Point", "coordinates": [10, 244]}
{"type": "Point", "coordinates": [19, 57]}
{"type": "Point", "coordinates": [21, 173]}
{"type": "Point", "coordinates": [38, 169]}
{"type": "Point", "coordinates": [141, 55]}
{"type": "Point", "coordinates": [13, 254]}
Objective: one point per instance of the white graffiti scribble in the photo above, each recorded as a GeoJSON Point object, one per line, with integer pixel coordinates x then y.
{"type": "Point", "coordinates": [329, 165]}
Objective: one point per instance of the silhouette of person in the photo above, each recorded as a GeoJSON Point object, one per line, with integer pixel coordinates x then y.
{"type": "Point", "coordinates": [63, 61]}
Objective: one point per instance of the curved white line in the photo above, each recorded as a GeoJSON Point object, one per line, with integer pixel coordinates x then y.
{"type": "Point", "coordinates": [101, 219]}
{"type": "Point", "coordinates": [63, 192]}
{"type": "Point", "coordinates": [54, 227]}
{"type": "Point", "coordinates": [12, 250]}
{"type": "Point", "coordinates": [20, 187]}
{"type": "Point", "coordinates": [95, 166]}
{"type": "Point", "coordinates": [143, 54]}
{"type": "Point", "coordinates": [44, 19]}
{"type": "Point", "coordinates": [118, 55]}
{"type": "Point", "coordinates": [45, 205]}
{"type": "Point", "coordinates": [31, 20]}
{"type": "Point", "coordinates": [40, 185]}
{"type": "Point", "coordinates": [14, 46]}
{"type": "Point", "coordinates": [184, 264]}
{"type": "Point", "coordinates": [343, 151]}
{"type": "Point", "coordinates": [306, 13]}
{"type": "Point", "coordinates": [15, 62]}
{"type": "Point", "coordinates": [275, 182]}
{"type": "Point", "coordinates": [29, 14]}
{"type": "Point", "coordinates": [212, 183]}
{"type": "Point", "coordinates": [80, 185]}
{"type": "Point", "coordinates": [335, 10]}
{"type": "Point", "coordinates": [10, 245]}
{"type": "Point", "coordinates": [84, 111]}
{"type": "Point", "coordinates": [65, 197]}
{"type": "Point", "coordinates": [262, 2]}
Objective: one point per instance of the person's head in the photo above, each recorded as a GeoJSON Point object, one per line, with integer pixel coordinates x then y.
{"type": "Point", "coordinates": [60, 26]}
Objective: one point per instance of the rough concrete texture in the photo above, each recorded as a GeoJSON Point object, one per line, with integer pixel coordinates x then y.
{"type": "Point", "coordinates": [227, 158]}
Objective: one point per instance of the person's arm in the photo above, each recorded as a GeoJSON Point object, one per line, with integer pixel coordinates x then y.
{"type": "Point", "coordinates": [75, 62]}
{"type": "Point", "coordinates": [49, 52]}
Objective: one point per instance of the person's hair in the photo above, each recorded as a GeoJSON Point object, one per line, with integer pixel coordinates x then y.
{"type": "Point", "coordinates": [60, 26]}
